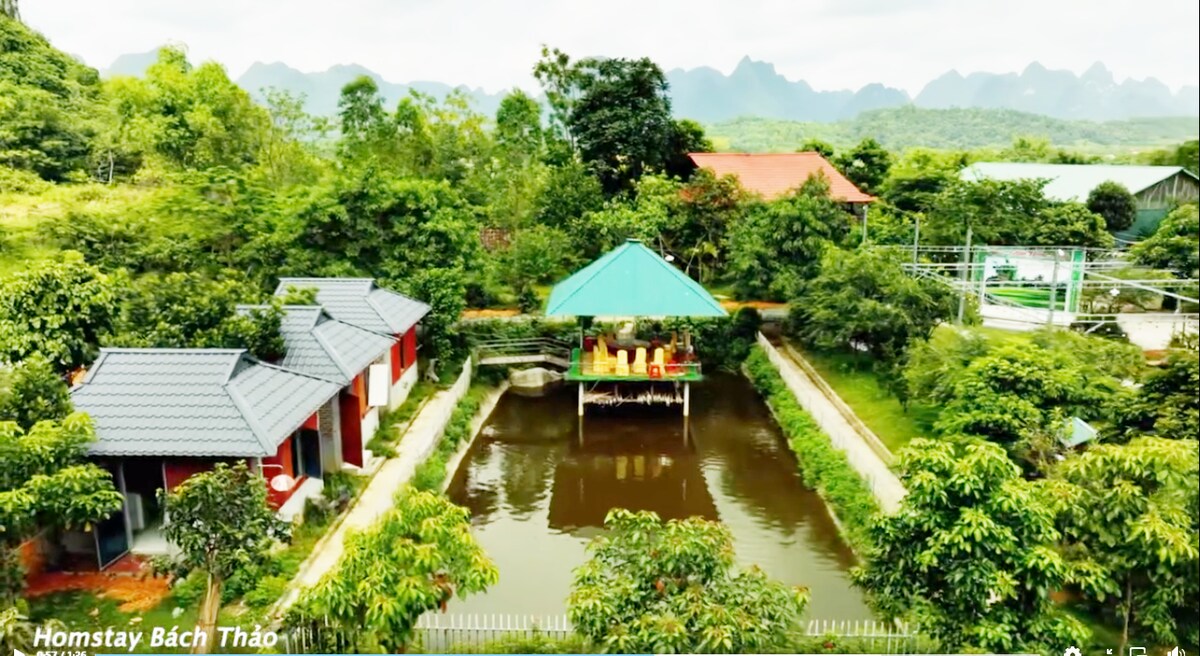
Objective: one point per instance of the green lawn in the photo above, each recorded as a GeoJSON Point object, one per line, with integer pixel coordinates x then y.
{"type": "Point", "coordinates": [861, 389]}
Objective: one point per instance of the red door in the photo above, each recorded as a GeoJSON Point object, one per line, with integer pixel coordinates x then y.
{"type": "Point", "coordinates": [352, 444]}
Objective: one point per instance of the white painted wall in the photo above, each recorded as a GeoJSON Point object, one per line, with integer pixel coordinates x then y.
{"type": "Point", "coordinates": [370, 423]}
{"type": "Point", "coordinates": [402, 387]}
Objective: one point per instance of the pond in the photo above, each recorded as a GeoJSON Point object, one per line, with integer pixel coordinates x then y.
{"type": "Point", "coordinates": [538, 483]}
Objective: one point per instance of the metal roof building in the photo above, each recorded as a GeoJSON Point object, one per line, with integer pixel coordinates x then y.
{"type": "Point", "coordinates": [320, 345]}
{"type": "Point", "coordinates": [194, 402]}
{"type": "Point", "coordinates": [1073, 182]}
{"type": "Point", "coordinates": [360, 302]}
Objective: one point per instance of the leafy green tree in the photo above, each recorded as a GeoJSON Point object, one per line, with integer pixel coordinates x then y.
{"type": "Point", "coordinates": [58, 308]}
{"type": "Point", "coordinates": [707, 208]}
{"type": "Point", "coordinates": [971, 554]}
{"type": "Point", "coordinates": [414, 559]}
{"type": "Point", "coordinates": [864, 299]}
{"type": "Point", "coordinates": [822, 148]}
{"type": "Point", "coordinates": [9, 8]}
{"type": "Point", "coordinates": [1069, 224]}
{"type": "Point", "coordinates": [673, 587]}
{"type": "Point", "coordinates": [1131, 524]}
{"type": "Point", "coordinates": [444, 290]}
{"type": "Point", "coordinates": [686, 137]}
{"type": "Point", "coordinates": [1168, 402]}
{"type": "Point", "coordinates": [536, 255]}
{"type": "Point", "coordinates": [1113, 201]}
{"type": "Point", "coordinates": [519, 127]}
{"type": "Point", "coordinates": [559, 77]}
{"type": "Point", "coordinates": [621, 121]}
{"type": "Point", "coordinates": [46, 482]}
{"type": "Point", "coordinates": [190, 310]}
{"type": "Point", "coordinates": [779, 244]}
{"type": "Point", "coordinates": [32, 391]}
{"type": "Point", "coordinates": [997, 212]}
{"type": "Point", "coordinates": [191, 117]}
{"type": "Point", "coordinates": [866, 165]}
{"type": "Point", "coordinates": [366, 129]}
{"type": "Point", "coordinates": [570, 191]}
{"type": "Point", "coordinates": [1175, 246]}
{"type": "Point", "coordinates": [221, 523]}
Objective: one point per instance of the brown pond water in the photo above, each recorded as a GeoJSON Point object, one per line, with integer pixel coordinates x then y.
{"type": "Point", "coordinates": [537, 495]}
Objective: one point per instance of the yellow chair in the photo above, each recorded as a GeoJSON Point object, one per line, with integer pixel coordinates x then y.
{"type": "Point", "coordinates": [605, 362]}
{"type": "Point", "coordinates": [597, 360]}
{"type": "Point", "coordinates": [639, 361]}
{"type": "Point", "coordinates": [622, 363]}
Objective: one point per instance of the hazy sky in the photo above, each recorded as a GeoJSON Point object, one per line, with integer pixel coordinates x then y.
{"type": "Point", "coordinates": [833, 44]}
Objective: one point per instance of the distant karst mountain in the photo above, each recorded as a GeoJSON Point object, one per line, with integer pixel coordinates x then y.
{"type": "Point", "coordinates": [756, 89]}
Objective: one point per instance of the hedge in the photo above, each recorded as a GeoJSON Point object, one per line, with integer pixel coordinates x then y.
{"type": "Point", "coordinates": [432, 473]}
{"type": "Point", "coordinates": [823, 467]}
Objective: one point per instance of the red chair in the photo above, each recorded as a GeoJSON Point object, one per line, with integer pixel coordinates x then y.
{"type": "Point", "coordinates": [654, 371]}
{"type": "Point", "coordinates": [588, 343]}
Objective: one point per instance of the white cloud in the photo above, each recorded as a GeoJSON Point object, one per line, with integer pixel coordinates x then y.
{"type": "Point", "coordinates": [832, 44]}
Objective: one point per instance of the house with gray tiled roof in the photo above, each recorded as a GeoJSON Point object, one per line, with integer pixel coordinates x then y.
{"type": "Point", "coordinates": [164, 414]}
{"type": "Point", "coordinates": [363, 304]}
{"type": "Point", "coordinates": [319, 345]}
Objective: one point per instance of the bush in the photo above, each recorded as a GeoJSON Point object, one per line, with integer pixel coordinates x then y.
{"type": "Point", "coordinates": [823, 467]}
{"type": "Point", "coordinates": [266, 592]}
{"type": "Point", "coordinates": [188, 591]}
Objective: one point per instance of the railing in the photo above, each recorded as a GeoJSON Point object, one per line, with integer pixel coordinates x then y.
{"type": "Point", "coordinates": [454, 633]}
{"type": "Point", "coordinates": [522, 347]}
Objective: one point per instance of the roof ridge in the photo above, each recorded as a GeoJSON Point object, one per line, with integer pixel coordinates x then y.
{"type": "Point", "coordinates": [168, 349]}
{"type": "Point", "coordinates": [286, 370]}
{"type": "Point", "coordinates": [687, 281]}
{"type": "Point", "coordinates": [611, 256]}
{"type": "Point", "coordinates": [256, 428]}
{"type": "Point", "coordinates": [332, 353]}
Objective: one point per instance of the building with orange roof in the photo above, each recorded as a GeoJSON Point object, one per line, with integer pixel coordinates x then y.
{"type": "Point", "coordinates": [772, 175]}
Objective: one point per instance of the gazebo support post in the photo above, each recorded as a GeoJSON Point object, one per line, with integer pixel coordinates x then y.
{"type": "Point", "coordinates": [687, 399]}
{"type": "Point", "coordinates": [580, 398]}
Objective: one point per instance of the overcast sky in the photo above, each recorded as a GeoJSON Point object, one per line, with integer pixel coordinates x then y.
{"type": "Point", "coordinates": [833, 44]}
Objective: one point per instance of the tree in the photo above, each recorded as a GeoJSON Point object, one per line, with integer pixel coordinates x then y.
{"type": "Point", "coordinates": [865, 299]}
{"type": "Point", "coordinates": [190, 310]}
{"type": "Point", "coordinates": [9, 8]}
{"type": "Point", "coordinates": [1175, 246]}
{"type": "Point", "coordinates": [46, 482]}
{"type": "Point", "coordinates": [33, 391]}
{"type": "Point", "coordinates": [970, 554]}
{"type": "Point", "coordinates": [998, 212]}
{"type": "Point", "coordinates": [686, 137]}
{"type": "Point", "coordinates": [365, 126]}
{"type": "Point", "coordinates": [1069, 224]}
{"type": "Point", "coordinates": [708, 206]}
{"type": "Point", "coordinates": [866, 165]}
{"type": "Point", "coordinates": [519, 131]}
{"type": "Point", "coordinates": [822, 148]}
{"type": "Point", "coordinates": [412, 560]}
{"type": "Point", "coordinates": [621, 122]}
{"type": "Point", "coordinates": [535, 255]}
{"type": "Point", "coordinates": [1168, 402]}
{"type": "Point", "coordinates": [221, 523]}
{"type": "Point", "coordinates": [569, 192]}
{"type": "Point", "coordinates": [655, 587]}
{"type": "Point", "coordinates": [559, 78]}
{"type": "Point", "coordinates": [779, 244]}
{"type": "Point", "coordinates": [1113, 201]}
{"type": "Point", "coordinates": [1130, 523]}
{"type": "Point", "coordinates": [445, 292]}
{"type": "Point", "coordinates": [57, 308]}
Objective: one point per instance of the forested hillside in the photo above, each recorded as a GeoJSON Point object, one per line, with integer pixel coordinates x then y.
{"type": "Point", "coordinates": [906, 127]}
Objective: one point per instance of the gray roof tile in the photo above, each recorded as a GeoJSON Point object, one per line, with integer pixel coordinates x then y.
{"type": "Point", "coordinates": [319, 345]}
{"type": "Point", "coordinates": [194, 402]}
{"type": "Point", "coordinates": [359, 302]}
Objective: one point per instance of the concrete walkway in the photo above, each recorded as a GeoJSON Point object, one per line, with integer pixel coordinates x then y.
{"type": "Point", "coordinates": [883, 482]}
{"type": "Point", "coordinates": [417, 444]}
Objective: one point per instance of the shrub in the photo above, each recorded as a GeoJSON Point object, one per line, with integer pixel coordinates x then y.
{"type": "Point", "coordinates": [188, 591]}
{"type": "Point", "coordinates": [823, 467]}
{"type": "Point", "coordinates": [266, 592]}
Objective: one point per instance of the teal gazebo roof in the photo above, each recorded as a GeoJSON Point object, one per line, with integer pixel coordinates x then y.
{"type": "Point", "coordinates": [631, 281]}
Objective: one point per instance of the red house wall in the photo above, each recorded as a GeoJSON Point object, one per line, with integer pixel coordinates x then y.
{"type": "Point", "coordinates": [179, 470]}
{"type": "Point", "coordinates": [410, 347]}
{"type": "Point", "coordinates": [397, 364]}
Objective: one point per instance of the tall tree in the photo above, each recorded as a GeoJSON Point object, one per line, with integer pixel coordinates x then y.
{"type": "Point", "coordinates": [1131, 523]}
{"type": "Point", "coordinates": [621, 121]}
{"type": "Point", "coordinates": [1113, 201]}
{"type": "Point", "coordinates": [971, 554]}
{"type": "Point", "coordinates": [822, 148]}
{"type": "Point", "coordinates": [221, 523]}
{"type": "Point", "coordinates": [366, 129]}
{"type": "Point", "coordinates": [32, 391]}
{"type": "Point", "coordinates": [779, 244]}
{"type": "Point", "coordinates": [412, 560]}
{"type": "Point", "coordinates": [672, 587]}
{"type": "Point", "coordinates": [58, 308]}
{"type": "Point", "coordinates": [866, 165]}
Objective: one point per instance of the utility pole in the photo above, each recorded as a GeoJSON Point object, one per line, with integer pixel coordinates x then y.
{"type": "Point", "coordinates": [1053, 289]}
{"type": "Point", "coordinates": [916, 238]}
{"type": "Point", "coordinates": [966, 272]}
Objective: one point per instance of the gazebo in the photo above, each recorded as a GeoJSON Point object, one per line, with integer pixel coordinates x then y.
{"type": "Point", "coordinates": [625, 284]}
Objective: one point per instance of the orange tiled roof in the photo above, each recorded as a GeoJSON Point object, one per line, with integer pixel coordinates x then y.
{"type": "Point", "coordinates": [774, 174]}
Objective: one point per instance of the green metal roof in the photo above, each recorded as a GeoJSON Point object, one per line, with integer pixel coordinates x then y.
{"type": "Point", "coordinates": [631, 281]}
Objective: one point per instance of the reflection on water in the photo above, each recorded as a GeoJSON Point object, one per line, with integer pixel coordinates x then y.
{"type": "Point", "coordinates": [539, 484]}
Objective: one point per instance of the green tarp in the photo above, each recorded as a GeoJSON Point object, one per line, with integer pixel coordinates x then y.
{"type": "Point", "coordinates": [631, 281]}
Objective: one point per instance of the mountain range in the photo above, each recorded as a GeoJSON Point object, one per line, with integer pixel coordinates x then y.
{"type": "Point", "coordinates": [756, 89]}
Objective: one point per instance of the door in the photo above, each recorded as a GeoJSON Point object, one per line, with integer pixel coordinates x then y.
{"type": "Point", "coordinates": [352, 443]}
{"type": "Point", "coordinates": [310, 453]}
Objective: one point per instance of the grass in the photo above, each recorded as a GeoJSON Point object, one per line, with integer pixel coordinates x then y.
{"type": "Point", "coordinates": [863, 390]}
